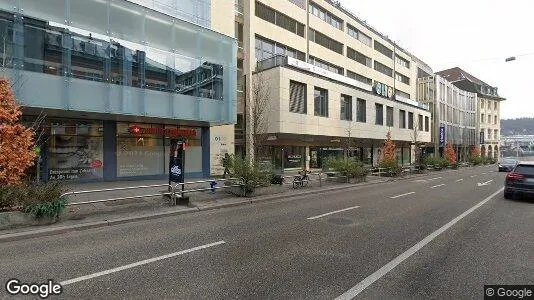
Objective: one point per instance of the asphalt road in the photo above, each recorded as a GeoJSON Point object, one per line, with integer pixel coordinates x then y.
{"type": "Point", "coordinates": [382, 237]}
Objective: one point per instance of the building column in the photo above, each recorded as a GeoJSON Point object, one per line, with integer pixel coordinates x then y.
{"type": "Point", "coordinates": [307, 158]}
{"type": "Point", "coordinates": [205, 142]}
{"type": "Point", "coordinates": [110, 150]}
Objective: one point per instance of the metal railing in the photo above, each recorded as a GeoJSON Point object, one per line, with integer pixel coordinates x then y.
{"type": "Point", "coordinates": [130, 188]}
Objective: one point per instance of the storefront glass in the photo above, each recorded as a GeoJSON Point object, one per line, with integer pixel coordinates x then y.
{"type": "Point", "coordinates": [143, 149]}
{"type": "Point", "coordinates": [75, 150]}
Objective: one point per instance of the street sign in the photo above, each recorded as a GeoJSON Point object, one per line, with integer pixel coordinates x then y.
{"type": "Point", "coordinates": [442, 135]}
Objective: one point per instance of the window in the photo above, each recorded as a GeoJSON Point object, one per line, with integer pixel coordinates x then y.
{"type": "Point", "coordinates": [270, 15]}
{"type": "Point", "coordinates": [361, 111]}
{"type": "Point", "coordinates": [495, 120]}
{"type": "Point", "coordinates": [325, 41]}
{"type": "Point", "coordinates": [267, 49]}
{"type": "Point", "coordinates": [410, 120]}
{"type": "Point", "coordinates": [297, 97]}
{"type": "Point", "coordinates": [359, 77]}
{"type": "Point", "coordinates": [495, 105]}
{"type": "Point", "coordinates": [326, 16]}
{"type": "Point", "coordinates": [379, 110]}
{"type": "Point", "coordinates": [489, 134]}
{"type": "Point", "coordinates": [383, 69]}
{"type": "Point", "coordinates": [402, 78]}
{"type": "Point", "coordinates": [383, 49]}
{"type": "Point", "coordinates": [403, 62]}
{"type": "Point", "coordinates": [496, 134]}
{"type": "Point", "coordinates": [357, 56]}
{"type": "Point", "coordinates": [402, 119]}
{"type": "Point", "coordinates": [346, 108]}
{"type": "Point", "coordinates": [420, 123]}
{"type": "Point", "coordinates": [482, 104]}
{"type": "Point", "coordinates": [389, 116]}
{"type": "Point", "coordinates": [482, 118]}
{"type": "Point", "coordinates": [427, 124]}
{"type": "Point", "coordinates": [355, 33]}
{"type": "Point", "coordinates": [489, 119]}
{"type": "Point", "coordinates": [320, 97]}
{"type": "Point", "coordinates": [325, 65]}
{"type": "Point", "coordinates": [299, 3]}
{"type": "Point", "coordinates": [402, 94]}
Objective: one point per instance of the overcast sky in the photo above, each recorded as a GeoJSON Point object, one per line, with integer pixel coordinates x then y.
{"type": "Point", "coordinates": [475, 35]}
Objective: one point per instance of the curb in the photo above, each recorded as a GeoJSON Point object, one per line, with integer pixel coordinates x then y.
{"type": "Point", "coordinates": [96, 224]}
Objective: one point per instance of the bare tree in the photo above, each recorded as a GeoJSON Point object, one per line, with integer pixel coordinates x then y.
{"type": "Point", "coordinates": [416, 143]}
{"type": "Point", "coordinates": [260, 106]}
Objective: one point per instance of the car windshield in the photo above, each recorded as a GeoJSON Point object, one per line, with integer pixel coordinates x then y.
{"type": "Point", "coordinates": [509, 161]}
{"type": "Point", "coordinates": [525, 169]}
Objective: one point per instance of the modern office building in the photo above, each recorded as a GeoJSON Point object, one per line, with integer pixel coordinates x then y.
{"type": "Point", "coordinates": [117, 79]}
{"type": "Point", "coordinates": [454, 113]}
{"type": "Point", "coordinates": [330, 77]}
{"type": "Point", "coordinates": [488, 107]}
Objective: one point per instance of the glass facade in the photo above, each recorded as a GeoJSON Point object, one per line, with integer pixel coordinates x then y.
{"type": "Point", "coordinates": [116, 50]}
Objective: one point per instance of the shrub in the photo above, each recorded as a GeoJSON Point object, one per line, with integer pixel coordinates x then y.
{"type": "Point", "coordinates": [39, 200]}
{"type": "Point", "coordinates": [394, 169]}
{"type": "Point", "coordinates": [277, 179]}
{"type": "Point", "coordinates": [251, 174]}
{"type": "Point", "coordinates": [431, 161]}
{"type": "Point", "coordinates": [444, 162]}
{"type": "Point", "coordinates": [349, 167]}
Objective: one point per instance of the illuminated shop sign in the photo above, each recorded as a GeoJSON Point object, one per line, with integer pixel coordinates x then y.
{"type": "Point", "coordinates": [383, 90]}
{"type": "Point", "coordinates": [168, 132]}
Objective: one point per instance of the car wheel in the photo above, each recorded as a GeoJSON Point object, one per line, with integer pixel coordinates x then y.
{"type": "Point", "coordinates": [508, 195]}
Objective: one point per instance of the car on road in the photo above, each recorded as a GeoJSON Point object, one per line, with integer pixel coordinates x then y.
{"type": "Point", "coordinates": [520, 181]}
{"type": "Point", "coordinates": [507, 164]}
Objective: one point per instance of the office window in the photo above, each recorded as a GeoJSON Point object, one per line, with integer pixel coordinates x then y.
{"type": "Point", "coordinates": [403, 62]}
{"type": "Point", "coordinates": [346, 107]}
{"type": "Point", "coordinates": [389, 116]}
{"type": "Point", "coordinates": [427, 124]}
{"type": "Point", "coordinates": [410, 120]}
{"type": "Point", "coordinates": [270, 15]}
{"type": "Point", "coordinates": [379, 110]}
{"type": "Point", "coordinates": [383, 69]}
{"type": "Point", "coordinates": [297, 97]}
{"type": "Point", "coordinates": [420, 123]}
{"type": "Point", "coordinates": [357, 56]}
{"type": "Point", "coordinates": [325, 41]}
{"type": "Point", "coordinates": [402, 78]}
{"type": "Point", "coordinates": [299, 3]}
{"type": "Point", "coordinates": [325, 65]}
{"type": "Point", "coordinates": [326, 16]}
{"type": "Point", "coordinates": [402, 119]}
{"type": "Point", "coordinates": [402, 94]}
{"type": "Point", "coordinates": [355, 33]}
{"type": "Point", "coordinates": [320, 97]}
{"type": "Point", "coordinates": [359, 77]}
{"type": "Point", "coordinates": [266, 49]}
{"type": "Point", "coordinates": [361, 111]}
{"type": "Point", "coordinates": [383, 49]}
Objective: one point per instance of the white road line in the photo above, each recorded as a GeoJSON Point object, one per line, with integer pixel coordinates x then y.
{"type": "Point", "coordinates": [139, 263]}
{"type": "Point", "coordinates": [434, 178]}
{"type": "Point", "coordinates": [331, 213]}
{"type": "Point", "coordinates": [357, 289]}
{"type": "Point", "coordinates": [472, 176]}
{"type": "Point", "coordinates": [458, 180]}
{"type": "Point", "coordinates": [433, 187]}
{"type": "Point", "coordinates": [483, 173]}
{"type": "Point", "coordinates": [401, 195]}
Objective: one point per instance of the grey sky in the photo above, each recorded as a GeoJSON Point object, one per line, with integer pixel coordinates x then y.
{"type": "Point", "coordinates": [476, 35]}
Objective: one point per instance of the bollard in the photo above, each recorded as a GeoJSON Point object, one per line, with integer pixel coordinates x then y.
{"type": "Point", "coordinates": [213, 183]}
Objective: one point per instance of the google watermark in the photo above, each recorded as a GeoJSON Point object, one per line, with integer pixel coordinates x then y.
{"type": "Point", "coordinates": [508, 291]}
{"type": "Point", "coordinates": [15, 287]}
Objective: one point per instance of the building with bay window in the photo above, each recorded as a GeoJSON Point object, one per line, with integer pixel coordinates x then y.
{"type": "Point", "coordinates": [117, 79]}
{"type": "Point", "coordinates": [332, 78]}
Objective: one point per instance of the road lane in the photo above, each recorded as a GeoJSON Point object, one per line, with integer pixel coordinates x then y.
{"type": "Point", "coordinates": [269, 245]}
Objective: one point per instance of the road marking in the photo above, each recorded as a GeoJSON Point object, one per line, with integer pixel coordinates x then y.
{"type": "Point", "coordinates": [485, 183]}
{"type": "Point", "coordinates": [472, 176]}
{"type": "Point", "coordinates": [434, 178]}
{"type": "Point", "coordinates": [458, 180]}
{"type": "Point", "coordinates": [139, 263]}
{"type": "Point", "coordinates": [483, 173]}
{"type": "Point", "coordinates": [357, 289]}
{"type": "Point", "coordinates": [433, 187]}
{"type": "Point", "coordinates": [420, 180]}
{"type": "Point", "coordinates": [331, 213]}
{"type": "Point", "coordinates": [401, 195]}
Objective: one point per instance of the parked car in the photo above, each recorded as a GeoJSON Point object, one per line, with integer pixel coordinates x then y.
{"type": "Point", "coordinates": [520, 181]}
{"type": "Point", "coordinates": [507, 164]}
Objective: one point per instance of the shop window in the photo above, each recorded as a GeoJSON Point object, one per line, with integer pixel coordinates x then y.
{"type": "Point", "coordinates": [75, 150]}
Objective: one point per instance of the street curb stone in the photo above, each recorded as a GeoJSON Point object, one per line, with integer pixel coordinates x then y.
{"type": "Point", "coordinates": [90, 225]}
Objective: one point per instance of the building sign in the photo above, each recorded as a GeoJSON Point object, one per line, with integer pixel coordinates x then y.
{"type": "Point", "coordinates": [442, 135]}
{"type": "Point", "coordinates": [168, 132]}
{"type": "Point", "coordinates": [482, 137]}
{"type": "Point", "coordinates": [320, 71]}
{"type": "Point", "coordinates": [383, 90]}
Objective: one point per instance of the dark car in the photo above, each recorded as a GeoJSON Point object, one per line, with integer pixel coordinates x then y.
{"type": "Point", "coordinates": [507, 164]}
{"type": "Point", "coordinates": [520, 181]}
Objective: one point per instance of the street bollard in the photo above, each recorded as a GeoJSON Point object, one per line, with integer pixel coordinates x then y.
{"type": "Point", "coordinates": [213, 183]}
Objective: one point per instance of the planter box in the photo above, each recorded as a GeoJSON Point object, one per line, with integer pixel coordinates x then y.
{"type": "Point", "coordinates": [12, 219]}
{"type": "Point", "coordinates": [258, 191]}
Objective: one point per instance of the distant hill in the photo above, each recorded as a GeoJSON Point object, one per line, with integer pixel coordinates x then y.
{"type": "Point", "coordinates": [517, 126]}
